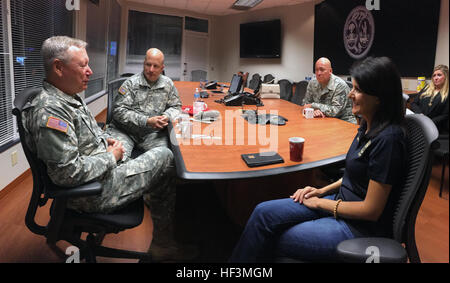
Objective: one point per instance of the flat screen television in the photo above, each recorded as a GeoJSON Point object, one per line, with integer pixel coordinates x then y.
{"type": "Point", "coordinates": [260, 39]}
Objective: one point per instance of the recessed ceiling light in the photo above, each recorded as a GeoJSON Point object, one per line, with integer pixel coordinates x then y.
{"type": "Point", "coordinates": [245, 4]}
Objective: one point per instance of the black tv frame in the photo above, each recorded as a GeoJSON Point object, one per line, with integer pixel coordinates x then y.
{"type": "Point", "coordinates": [262, 39]}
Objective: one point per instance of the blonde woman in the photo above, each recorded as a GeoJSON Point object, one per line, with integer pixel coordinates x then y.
{"type": "Point", "coordinates": [432, 101]}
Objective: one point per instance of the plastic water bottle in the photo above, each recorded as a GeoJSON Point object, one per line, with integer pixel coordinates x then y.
{"type": "Point", "coordinates": [197, 102]}
{"type": "Point", "coordinates": [196, 95]}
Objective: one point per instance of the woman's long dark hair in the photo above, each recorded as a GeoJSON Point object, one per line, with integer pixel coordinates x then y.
{"type": "Point", "coordinates": [379, 77]}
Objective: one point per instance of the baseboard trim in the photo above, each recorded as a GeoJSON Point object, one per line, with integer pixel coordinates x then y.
{"type": "Point", "coordinates": [101, 117]}
{"type": "Point", "coordinates": [15, 183]}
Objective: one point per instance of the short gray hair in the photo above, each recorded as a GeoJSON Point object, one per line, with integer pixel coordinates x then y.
{"type": "Point", "coordinates": [56, 48]}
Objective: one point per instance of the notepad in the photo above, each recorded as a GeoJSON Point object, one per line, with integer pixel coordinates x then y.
{"type": "Point", "coordinates": [262, 159]}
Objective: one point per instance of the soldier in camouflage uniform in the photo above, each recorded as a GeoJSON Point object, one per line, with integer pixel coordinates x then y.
{"type": "Point", "coordinates": [143, 107]}
{"type": "Point", "coordinates": [64, 134]}
{"type": "Point", "coordinates": [327, 94]}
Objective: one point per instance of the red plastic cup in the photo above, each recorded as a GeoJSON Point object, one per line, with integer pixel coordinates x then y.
{"type": "Point", "coordinates": [296, 145]}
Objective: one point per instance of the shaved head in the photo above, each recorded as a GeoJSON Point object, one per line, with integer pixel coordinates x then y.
{"type": "Point", "coordinates": [153, 64]}
{"type": "Point", "coordinates": [155, 53]}
{"type": "Point", "coordinates": [323, 71]}
{"type": "Point", "coordinates": [324, 61]}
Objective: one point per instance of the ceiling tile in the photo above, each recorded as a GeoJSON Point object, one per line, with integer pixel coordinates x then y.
{"type": "Point", "coordinates": [215, 7]}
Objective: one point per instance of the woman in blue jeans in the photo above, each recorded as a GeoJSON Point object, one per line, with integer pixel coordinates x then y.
{"type": "Point", "coordinates": [313, 221]}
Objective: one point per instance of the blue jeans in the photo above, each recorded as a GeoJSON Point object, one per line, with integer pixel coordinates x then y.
{"type": "Point", "coordinates": [284, 228]}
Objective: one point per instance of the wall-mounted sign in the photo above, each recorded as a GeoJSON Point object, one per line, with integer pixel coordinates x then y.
{"type": "Point", "coordinates": [359, 32]}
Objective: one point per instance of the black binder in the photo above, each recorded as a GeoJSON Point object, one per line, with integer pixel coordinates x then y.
{"type": "Point", "coordinates": [261, 159]}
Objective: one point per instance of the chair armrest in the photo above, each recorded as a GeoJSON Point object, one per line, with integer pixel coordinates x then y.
{"type": "Point", "coordinates": [383, 250]}
{"type": "Point", "coordinates": [101, 125]}
{"type": "Point", "coordinates": [85, 190]}
{"type": "Point", "coordinates": [413, 96]}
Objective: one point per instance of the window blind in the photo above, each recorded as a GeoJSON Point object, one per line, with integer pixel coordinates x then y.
{"type": "Point", "coordinates": [32, 21]}
{"type": "Point", "coordinates": [113, 40]}
{"type": "Point", "coordinates": [7, 128]}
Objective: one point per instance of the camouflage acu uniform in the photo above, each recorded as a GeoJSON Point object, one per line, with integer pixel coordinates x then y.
{"type": "Point", "coordinates": [64, 134]}
{"type": "Point", "coordinates": [332, 100]}
{"type": "Point", "coordinates": [137, 101]}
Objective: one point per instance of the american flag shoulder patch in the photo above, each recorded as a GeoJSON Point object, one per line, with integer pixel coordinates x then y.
{"type": "Point", "coordinates": [57, 124]}
{"type": "Point", "coordinates": [122, 90]}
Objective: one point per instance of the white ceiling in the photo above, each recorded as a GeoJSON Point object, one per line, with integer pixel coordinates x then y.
{"type": "Point", "coordinates": [215, 7]}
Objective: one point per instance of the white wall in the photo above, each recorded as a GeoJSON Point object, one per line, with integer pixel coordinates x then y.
{"type": "Point", "coordinates": [297, 44]}
{"type": "Point", "coordinates": [9, 172]}
{"type": "Point", "coordinates": [443, 40]}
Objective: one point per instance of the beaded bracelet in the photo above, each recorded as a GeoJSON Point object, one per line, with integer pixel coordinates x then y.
{"type": "Point", "coordinates": [335, 208]}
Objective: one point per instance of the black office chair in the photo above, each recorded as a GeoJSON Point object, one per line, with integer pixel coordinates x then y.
{"type": "Point", "coordinates": [299, 92]}
{"type": "Point", "coordinates": [422, 136]}
{"type": "Point", "coordinates": [350, 84]}
{"type": "Point", "coordinates": [285, 89]}
{"type": "Point", "coordinates": [66, 224]}
{"type": "Point", "coordinates": [126, 75]}
{"type": "Point", "coordinates": [255, 82]}
{"type": "Point", "coordinates": [269, 79]}
{"type": "Point", "coordinates": [244, 79]}
{"type": "Point", "coordinates": [422, 141]}
{"type": "Point", "coordinates": [122, 78]}
{"type": "Point", "coordinates": [113, 88]}
{"type": "Point", "coordinates": [442, 153]}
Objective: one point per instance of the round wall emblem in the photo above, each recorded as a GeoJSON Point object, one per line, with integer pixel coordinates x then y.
{"type": "Point", "coordinates": [359, 32]}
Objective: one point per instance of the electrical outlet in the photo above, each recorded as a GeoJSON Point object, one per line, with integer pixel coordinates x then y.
{"type": "Point", "coordinates": [14, 158]}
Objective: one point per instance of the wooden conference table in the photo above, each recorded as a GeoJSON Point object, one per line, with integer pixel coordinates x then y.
{"type": "Point", "coordinates": [217, 156]}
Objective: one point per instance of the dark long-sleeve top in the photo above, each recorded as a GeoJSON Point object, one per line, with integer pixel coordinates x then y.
{"type": "Point", "coordinates": [438, 111]}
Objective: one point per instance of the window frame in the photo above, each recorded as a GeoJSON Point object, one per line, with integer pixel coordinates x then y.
{"type": "Point", "coordinates": [162, 11]}
{"type": "Point", "coordinates": [79, 23]}
{"type": "Point", "coordinates": [100, 94]}
{"type": "Point", "coordinates": [6, 13]}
